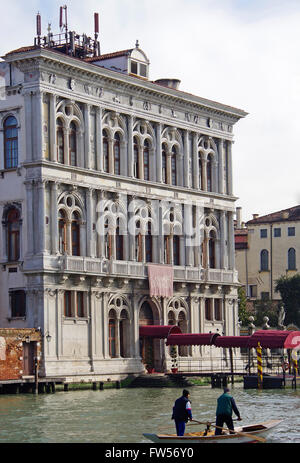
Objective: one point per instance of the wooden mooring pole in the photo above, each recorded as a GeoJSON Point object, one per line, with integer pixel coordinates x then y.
{"type": "Point", "coordinates": [231, 365]}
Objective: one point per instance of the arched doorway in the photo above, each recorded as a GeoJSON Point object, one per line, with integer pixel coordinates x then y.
{"type": "Point", "coordinates": [146, 343]}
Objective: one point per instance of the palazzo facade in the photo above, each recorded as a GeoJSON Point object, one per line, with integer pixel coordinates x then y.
{"type": "Point", "coordinates": [103, 172]}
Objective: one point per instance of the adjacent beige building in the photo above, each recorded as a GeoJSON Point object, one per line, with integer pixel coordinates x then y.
{"type": "Point", "coordinates": [266, 248]}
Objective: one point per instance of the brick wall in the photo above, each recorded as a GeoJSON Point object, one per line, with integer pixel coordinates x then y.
{"type": "Point", "coordinates": [12, 353]}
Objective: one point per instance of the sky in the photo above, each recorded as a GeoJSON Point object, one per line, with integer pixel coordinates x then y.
{"type": "Point", "coordinates": [243, 53]}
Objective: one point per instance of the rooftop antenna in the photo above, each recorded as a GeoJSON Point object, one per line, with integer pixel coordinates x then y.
{"type": "Point", "coordinates": [63, 22]}
{"type": "Point", "coordinates": [96, 43]}
{"type": "Point", "coordinates": [38, 28]}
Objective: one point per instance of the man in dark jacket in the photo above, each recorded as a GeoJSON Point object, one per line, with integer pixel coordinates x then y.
{"type": "Point", "coordinates": [226, 405]}
{"type": "Point", "coordinates": [182, 412]}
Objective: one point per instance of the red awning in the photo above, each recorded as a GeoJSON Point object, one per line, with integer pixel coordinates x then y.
{"type": "Point", "coordinates": [158, 331]}
{"type": "Point", "coordinates": [293, 340]}
{"type": "Point", "coordinates": [192, 339]}
{"type": "Point", "coordinates": [269, 339]}
{"type": "Point", "coordinates": [232, 341]}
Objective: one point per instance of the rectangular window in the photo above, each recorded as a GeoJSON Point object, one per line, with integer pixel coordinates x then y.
{"type": "Point", "coordinates": [18, 303]}
{"type": "Point", "coordinates": [264, 233]}
{"type": "Point", "coordinates": [218, 310]}
{"type": "Point", "coordinates": [277, 232]}
{"type": "Point", "coordinates": [143, 70]}
{"type": "Point", "coordinates": [208, 312]}
{"type": "Point", "coordinates": [253, 291]}
{"type": "Point", "coordinates": [80, 304]}
{"type": "Point", "coordinates": [68, 304]}
{"type": "Point", "coordinates": [134, 69]}
{"type": "Point", "coordinates": [291, 231]}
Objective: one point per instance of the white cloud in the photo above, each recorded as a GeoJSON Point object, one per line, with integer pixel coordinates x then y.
{"type": "Point", "coordinates": [241, 53]}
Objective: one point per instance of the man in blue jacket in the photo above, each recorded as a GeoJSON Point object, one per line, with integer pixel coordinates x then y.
{"type": "Point", "coordinates": [226, 405]}
{"type": "Point", "coordinates": [182, 412]}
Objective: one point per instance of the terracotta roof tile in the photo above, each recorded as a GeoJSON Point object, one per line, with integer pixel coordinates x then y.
{"type": "Point", "coordinates": [22, 49]}
{"type": "Point", "coordinates": [286, 215]}
{"type": "Point", "coordinates": [109, 55]}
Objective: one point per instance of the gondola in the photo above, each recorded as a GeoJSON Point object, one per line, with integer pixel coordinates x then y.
{"type": "Point", "coordinates": [243, 434]}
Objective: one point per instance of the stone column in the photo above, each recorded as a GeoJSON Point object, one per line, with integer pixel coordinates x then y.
{"type": "Point", "coordinates": [222, 240]}
{"type": "Point", "coordinates": [29, 217]}
{"type": "Point", "coordinates": [89, 223]}
{"type": "Point", "coordinates": [215, 186]}
{"type": "Point", "coordinates": [186, 162]}
{"type": "Point", "coordinates": [204, 174]}
{"type": "Point", "coordinates": [87, 128]}
{"type": "Point", "coordinates": [40, 222]}
{"type": "Point", "coordinates": [54, 219]}
{"type": "Point", "coordinates": [196, 183]}
{"type": "Point", "coordinates": [230, 241]}
{"type": "Point", "coordinates": [221, 166]}
{"type": "Point", "coordinates": [28, 106]}
{"type": "Point", "coordinates": [37, 121]}
{"type": "Point", "coordinates": [158, 154]}
{"type": "Point", "coordinates": [130, 147]}
{"type": "Point", "coordinates": [229, 167]}
{"type": "Point", "coordinates": [52, 124]}
{"type": "Point", "coordinates": [99, 144]}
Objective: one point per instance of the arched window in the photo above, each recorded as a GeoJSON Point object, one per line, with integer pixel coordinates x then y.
{"type": "Point", "coordinates": [174, 166]}
{"type": "Point", "coordinates": [291, 259]}
{"type": "Point", "coordinates": [73, 145]}
{"type": "Point", "coordinates": [212, 250]}
{"type": "Point", "coordinates": [117, 160]}
{"type": "Point", "coordinates": [62, 226]}
{"type": "Point", "coordinates": [10, 143]}
{"type": "Point", "coordinates": [124, 329]}
{"type": "Point", "coordinates": [164, 164]}
{"type": "Point", "coordinates": [200, 172]}
{"type": "Point", "coordinates": [60, 144]}
{"type": "Point", "coordinates": [176, 250]}
{"type": "Point", "coordinates": [119, 245]}
{"type": "Point", "coordinates": [171, 318]}
{"type": "Point", "coordinates": [136, 158]}
{"type": "Point", "coordinates": [112, 333]}
{"type": "Point", "coordinates": [148, 244]}
{"type": "Point", "coordinates": [146, 160]}
{"type": "Point", "coordinates": [105, 152]}
{"type": "Point", "coordinates": [209, 173]}
{"type": "Point", "coordinates": [75, 230]}
{"type": "Point", "coordinates": [13, 235]}
{"type": "Point", "coordinates": [264, 260]}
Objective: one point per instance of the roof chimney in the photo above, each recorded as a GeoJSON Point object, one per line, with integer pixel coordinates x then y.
{"type": "Point", "coordinates": [255, 216]}
{"type": "Point", "coordinates": [171, 83]}
{"type": "Point", "coordinates": [285, 215]}
{"type": "Point", "coordinates": [238, 217]}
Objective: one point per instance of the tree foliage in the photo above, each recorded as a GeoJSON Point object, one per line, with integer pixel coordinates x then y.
{"type": "Point", "coordinates": [243, 313]}
{"type": "Point", "coordinates": [289, 289]}
{"type": "Point", "coordinates": [266, 308]}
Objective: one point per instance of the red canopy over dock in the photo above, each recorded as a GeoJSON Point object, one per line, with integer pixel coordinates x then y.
{"type": "Point", "coordinates": [158, 331]}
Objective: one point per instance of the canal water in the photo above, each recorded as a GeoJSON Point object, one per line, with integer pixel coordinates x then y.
{"type": "Point", "coordinates": [122, 415]}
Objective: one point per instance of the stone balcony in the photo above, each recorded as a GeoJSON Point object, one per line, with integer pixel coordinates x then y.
{"type": "Point", "coordinates": [123, 269]}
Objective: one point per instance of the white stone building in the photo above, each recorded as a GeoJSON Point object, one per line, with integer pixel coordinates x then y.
{"type": "Point", "coordinates": [101, 173]}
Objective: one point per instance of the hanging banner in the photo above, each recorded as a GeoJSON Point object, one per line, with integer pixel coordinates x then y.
{"type": "Point", "coordinates": [160, 280]}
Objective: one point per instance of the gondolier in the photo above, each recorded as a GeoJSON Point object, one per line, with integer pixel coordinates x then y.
{"type": "Point", "coordinates": [226, 405]}
{"type": "Point", "coordinates": [182, 412]}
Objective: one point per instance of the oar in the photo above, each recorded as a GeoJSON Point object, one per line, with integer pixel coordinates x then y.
{"type": "Point", "coordinates": [246, 434]}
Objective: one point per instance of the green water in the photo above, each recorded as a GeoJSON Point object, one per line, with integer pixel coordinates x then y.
{"type": "Point", "coordinates": [121, 416]}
